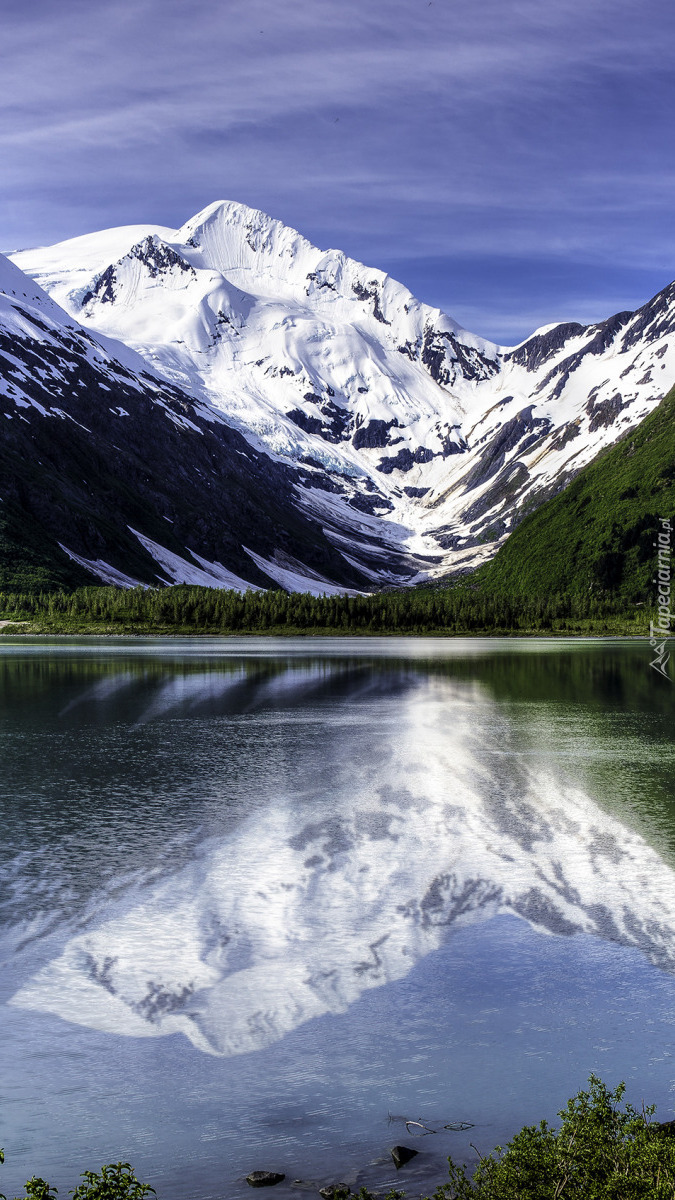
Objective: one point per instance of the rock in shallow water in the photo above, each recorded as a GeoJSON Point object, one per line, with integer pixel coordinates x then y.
{"type": "Point", "coordinates": [402, 1154]}
{"type": "Point", "coordinates": [264, 1178]}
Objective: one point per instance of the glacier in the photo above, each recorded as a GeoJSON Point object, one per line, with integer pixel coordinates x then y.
{"type": "Point", "coordinates": [416, 446]}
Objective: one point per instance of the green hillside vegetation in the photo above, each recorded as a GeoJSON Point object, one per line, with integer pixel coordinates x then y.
{"type": "Point", "coordinates": [598, 534]}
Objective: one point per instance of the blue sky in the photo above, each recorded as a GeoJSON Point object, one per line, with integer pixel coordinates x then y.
{"type": "Point", "coordinates": [510, 160]}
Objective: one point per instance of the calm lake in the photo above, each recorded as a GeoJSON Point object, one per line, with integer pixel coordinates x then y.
{"type": "Point", "coordinates": [263, 901]}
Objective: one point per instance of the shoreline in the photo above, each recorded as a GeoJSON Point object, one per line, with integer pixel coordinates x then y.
{"type": "Point", "coordinates": [9, 630]}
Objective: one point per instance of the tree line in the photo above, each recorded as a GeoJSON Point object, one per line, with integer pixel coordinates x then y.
{"type": "Point", "coordinates": [459, 609]}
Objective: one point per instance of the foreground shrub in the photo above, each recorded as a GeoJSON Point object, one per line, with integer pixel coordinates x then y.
{"type": "Point", "coordinates": [115, 1181]}
{"type": "Point", "coordinates": [600, 1152]}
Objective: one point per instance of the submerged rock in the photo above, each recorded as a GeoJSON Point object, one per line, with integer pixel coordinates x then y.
{"type": "Point", "coordinates": [332, 1190]}
{"type": "Point", "coordinates": [402, 1154]}
{"type": "Point", "coordinates": [264, 1178]}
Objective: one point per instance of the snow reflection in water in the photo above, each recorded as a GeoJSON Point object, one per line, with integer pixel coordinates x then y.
{"type": "Point", "coordinates": [440, 822]}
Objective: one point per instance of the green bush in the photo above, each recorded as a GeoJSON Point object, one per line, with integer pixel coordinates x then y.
{"type": "Point", "coordinates": [600, 1152]}
{"type": "Point", "coordinates": [116, 1181]}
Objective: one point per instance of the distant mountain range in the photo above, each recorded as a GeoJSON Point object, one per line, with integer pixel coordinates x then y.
{"type": "Point", "coordinates": [227, 404]}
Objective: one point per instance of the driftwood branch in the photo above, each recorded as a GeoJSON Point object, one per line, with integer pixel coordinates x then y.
{"type": "Point", "coordinates": [419, 1128]}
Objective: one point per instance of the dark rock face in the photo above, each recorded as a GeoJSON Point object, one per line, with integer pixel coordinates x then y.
{"type": "Point", "coordinates": [472, 362]}
{"type": "Point", "coordinates": [453, 443]}
{"type": "Point", "coordinates": [603, 413]}
{"type": "Point", "coordinates": [115, 451]}
{"type": "Point", "coordinates": [319, 479]}
{"type": "Point", "coordinates": [371, 503]}
{"type": "Point", "coordinates": [374, 435]}
{"type": "Point", "coordinates": [521, 431]}
{"type": "Point", "coordinates": [304, 421]}
{"type": "Point", "coordinates": [320, 281]}
{"type": "Point", "coordinates": [157, 257]}
{"type": "Point", "coordinates": [445, 357]}
{"type": "Point", "coordinates": [448, 538]}
{"type": "Point", "coordinates": [402, 1154]}
{"type": "Point", "coordinates": [264, 1178]}
{"type": "Point", "coordinates": [603, 333]}
{"type": "Point", "coordinates": [410, 349]}
{"type": "Point", "coordinates": [371, 292]}
{"type": "Point", "coordinates": [334, 423]}
{"type": "Point", "coordinates": [103, 289]}
{"type": "Point", "coordinates": [503, 490]}
{"type": "Point", "coordinates": [542, 346]}
{"type": "Point", "coordinates": [405, 460]}
{"type": "Point", "coordinates": [434, 358]}
{"type": "Point", "coordinates": [653, 321]}
{"type": "Point", "coordinates": [606, 331]}
{"type": "Point", "coordinates": [567, 434]}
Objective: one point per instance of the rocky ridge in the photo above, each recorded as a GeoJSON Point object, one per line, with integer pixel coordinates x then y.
{"type": "Point", "coordinates": [409, 447]}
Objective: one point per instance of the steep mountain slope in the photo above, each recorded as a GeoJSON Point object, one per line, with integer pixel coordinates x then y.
{"type": "Point", "coordinates": [407, 428]}
{"type": "Point", "coordinates": [109, 473]}
{"type": "Point", "coordinates": [601, 532]}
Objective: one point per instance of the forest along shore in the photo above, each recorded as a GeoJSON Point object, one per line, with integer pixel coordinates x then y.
{"type": "Point", "coordinates": [186, 610]}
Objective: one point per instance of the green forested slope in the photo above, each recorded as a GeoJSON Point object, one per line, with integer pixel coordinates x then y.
{"type": "Point", "coordinates": [599, 533]}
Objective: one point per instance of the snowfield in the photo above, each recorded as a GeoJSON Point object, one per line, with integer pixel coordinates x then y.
{"type": "Point", "coordinates": [414, 438]}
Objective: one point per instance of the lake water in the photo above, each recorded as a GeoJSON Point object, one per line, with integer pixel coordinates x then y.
{"type": "Point", "coordinates": [262, 901]}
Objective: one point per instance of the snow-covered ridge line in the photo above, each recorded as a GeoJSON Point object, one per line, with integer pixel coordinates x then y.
{"type": "Point", "coordinates": [96, 442]}
{"type": "Point", "coordinates": [393, 414]}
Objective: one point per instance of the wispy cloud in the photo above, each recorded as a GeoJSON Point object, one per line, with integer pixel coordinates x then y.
{"type": "Point", "coordinates": [396, 129]}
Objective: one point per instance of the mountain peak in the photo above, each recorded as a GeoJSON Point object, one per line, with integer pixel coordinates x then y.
{"type": "Point", "coordinates": [399, 425]}
{"type": "Point", "coordinates": [152, 256]}
{"type": "Point", "coordinates": [230, 234]}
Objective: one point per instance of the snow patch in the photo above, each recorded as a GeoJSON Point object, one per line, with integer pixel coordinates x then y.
{"type": "Point", "coordinates": [300, 579]}
{"type": "Point", "coordinates": [179, 570]}
{"type": "Point", "coordinates": [103, 570]}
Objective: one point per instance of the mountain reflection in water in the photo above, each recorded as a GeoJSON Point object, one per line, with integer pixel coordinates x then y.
{"type": "Point", "coordinates": [361, 846]}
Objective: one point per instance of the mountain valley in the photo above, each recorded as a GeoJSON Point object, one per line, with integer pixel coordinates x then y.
{"type": "Point", "coordinates": [226, 404]}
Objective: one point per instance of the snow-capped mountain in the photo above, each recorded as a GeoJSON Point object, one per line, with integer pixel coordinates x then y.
{"type": "Point", "coordinates": [415, 445]}
{"type": "Point", "coordinates": [109, 472]}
